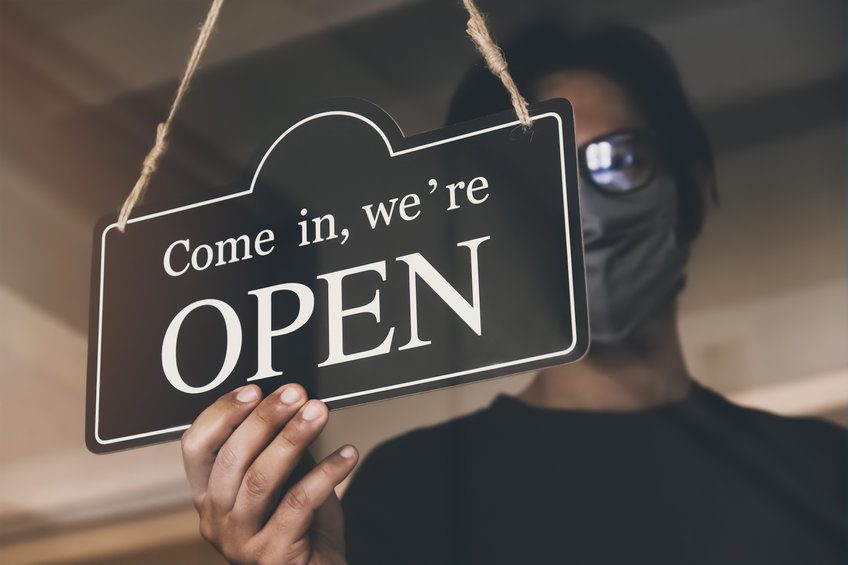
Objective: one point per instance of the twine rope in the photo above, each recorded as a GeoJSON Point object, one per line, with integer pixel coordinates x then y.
{"type": "Point", "coordinates": [494, 58]}
{"type": "Point", "coordinates": [151, 162]}
{"type": "Point", "coordinates": [476, 29]}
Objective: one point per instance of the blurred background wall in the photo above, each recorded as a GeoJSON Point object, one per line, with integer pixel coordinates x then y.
{"type": "Point", "coordinates": [84, 82]}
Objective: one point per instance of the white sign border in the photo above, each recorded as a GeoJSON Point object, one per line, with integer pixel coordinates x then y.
{"type": "Point", "coordinates": [392, 153]}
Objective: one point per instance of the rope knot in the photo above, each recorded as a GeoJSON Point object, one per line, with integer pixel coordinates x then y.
{"type": "Point", "coordinates": [151, 161]}
{"type": "Point", "coordinates": [495, 60]}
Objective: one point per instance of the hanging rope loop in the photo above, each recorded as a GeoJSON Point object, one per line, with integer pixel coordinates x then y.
{"type": "Point", "coordinates": [151, 162]}
{"type": "Point", "coordinates": [476, 30]}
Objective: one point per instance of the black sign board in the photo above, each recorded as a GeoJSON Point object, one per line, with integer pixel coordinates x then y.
{"type": "Point", "coordinates": [359, 263]}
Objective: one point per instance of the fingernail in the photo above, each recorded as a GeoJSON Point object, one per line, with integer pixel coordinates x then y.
{"type": "Point", "coordinates": [312, 411]}
{"type": "Point", "coordinates": [290, 395]}
{"type": "Point", "coordinates": [348, 452]}
{"type": "Point", "coordinates": [247, 394]}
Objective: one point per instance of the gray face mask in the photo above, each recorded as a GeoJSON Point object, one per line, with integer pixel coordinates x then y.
{"type": "Point", "coordinates": [634, 259]}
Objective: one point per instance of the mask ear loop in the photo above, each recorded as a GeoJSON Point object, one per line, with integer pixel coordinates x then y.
{"type": "Point", "coordinates": [476, 29]}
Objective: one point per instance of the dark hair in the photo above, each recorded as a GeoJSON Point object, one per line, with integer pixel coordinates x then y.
{"type": "Point", "coordinates": [628, 56]}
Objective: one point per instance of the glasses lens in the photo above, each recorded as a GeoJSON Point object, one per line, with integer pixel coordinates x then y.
{"type": "Point", "coordinates": [621, 162]}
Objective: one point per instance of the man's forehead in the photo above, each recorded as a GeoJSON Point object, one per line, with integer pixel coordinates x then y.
{"type": "Point", "coordinates": [600, 104]}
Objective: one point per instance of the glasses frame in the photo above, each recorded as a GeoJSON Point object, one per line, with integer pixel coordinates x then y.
{"type": "Point", "coordinates": [643, 132]}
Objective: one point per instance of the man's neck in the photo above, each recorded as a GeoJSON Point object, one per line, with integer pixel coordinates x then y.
{"type": "Point", "coordinates": [646, 372]}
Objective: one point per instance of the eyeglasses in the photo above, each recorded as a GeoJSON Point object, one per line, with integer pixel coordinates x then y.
{"type": "Point", "coordinates": [620, 162]}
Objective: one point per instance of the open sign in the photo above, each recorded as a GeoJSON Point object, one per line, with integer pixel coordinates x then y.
{"type": "Point", "coordinates": [358, 263]}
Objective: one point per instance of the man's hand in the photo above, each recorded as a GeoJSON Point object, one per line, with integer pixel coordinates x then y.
{"type": "Point", "coordinates": [241, 455]}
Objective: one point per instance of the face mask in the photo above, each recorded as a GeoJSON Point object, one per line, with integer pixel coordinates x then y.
{"type": "Point", "coordinates": [634, 260]}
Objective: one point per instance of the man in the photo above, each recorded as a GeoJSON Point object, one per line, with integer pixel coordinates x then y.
{"type": "Point", "coordinates": [618, 458]}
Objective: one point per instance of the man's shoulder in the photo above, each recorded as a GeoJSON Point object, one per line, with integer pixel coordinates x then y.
{"type": "Point", "coordinates": [430, 443]}
{"type": "Point", "coordinates": [811, 449]}
{"type": "Point", "coordinates": [814, 431]}
{"type": "Point", "coordinates": [718, 417]}
{"type": "Point", "coordinates": [426, 458]}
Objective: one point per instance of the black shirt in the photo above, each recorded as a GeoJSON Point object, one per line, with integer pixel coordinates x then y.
{"type": "Point", "coordinates": [697, 481]}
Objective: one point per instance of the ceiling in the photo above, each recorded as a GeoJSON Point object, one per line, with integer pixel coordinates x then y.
{"type": "Point", "coordinates": [85, 82]}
